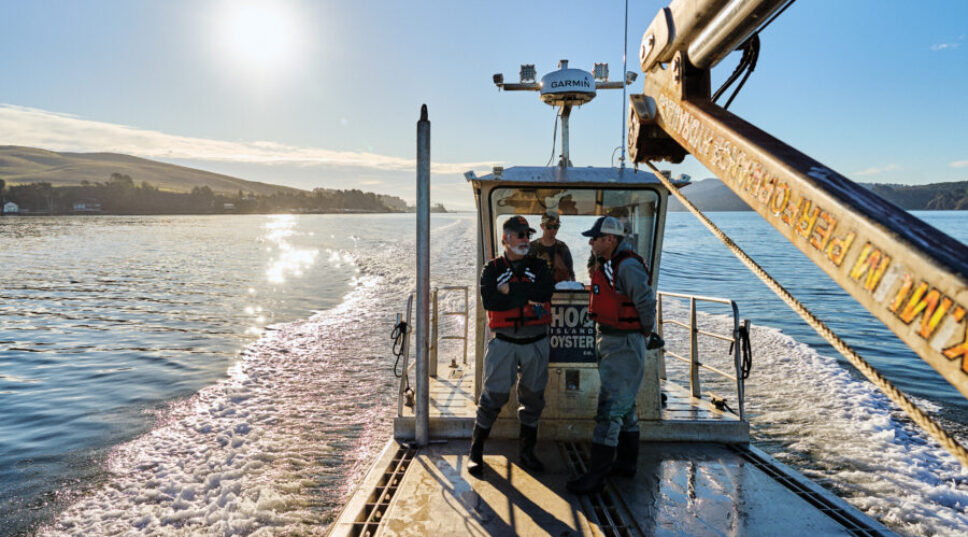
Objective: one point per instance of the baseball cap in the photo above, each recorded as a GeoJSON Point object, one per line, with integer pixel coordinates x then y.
{"type": "Point", "coordinates": [550, 217]}
{"type": "Point", "coordinates": [517, 223]}
{"type": "Point", "coordinates": [606, 225]}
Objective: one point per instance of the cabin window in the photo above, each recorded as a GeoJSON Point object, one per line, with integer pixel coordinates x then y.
{"type": "Point", "coordinates": [577, 209]}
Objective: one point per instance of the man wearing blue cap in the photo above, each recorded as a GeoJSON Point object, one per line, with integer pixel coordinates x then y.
{"type": "Point", "coordinates": [622, 304]}
{"type": "Point", "coordinates": [516, 291]}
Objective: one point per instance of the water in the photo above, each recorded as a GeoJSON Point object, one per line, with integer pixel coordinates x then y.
{"type": "Point", "coordinates": [231, 375]}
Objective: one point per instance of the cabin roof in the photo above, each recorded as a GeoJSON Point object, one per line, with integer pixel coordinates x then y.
{"type": "Point", "coordinates": [558, 175]}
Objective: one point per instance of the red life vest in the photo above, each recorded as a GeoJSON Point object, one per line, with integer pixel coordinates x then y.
{"type": "Point", "coordinates": [605, 305]}
{"type": "Point", "coordinates": [521, 316]}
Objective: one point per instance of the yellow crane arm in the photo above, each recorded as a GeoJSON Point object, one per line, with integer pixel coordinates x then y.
{"type": "Point", "coordinates": [908, 274]}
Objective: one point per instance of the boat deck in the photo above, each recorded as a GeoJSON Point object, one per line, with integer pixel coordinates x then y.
{"type": "Point", "coordinates": [680, 489]}
{"type": "Point", "coordinates": [682, 417]}
{"type": "Point", "coordinates": [682, 486]}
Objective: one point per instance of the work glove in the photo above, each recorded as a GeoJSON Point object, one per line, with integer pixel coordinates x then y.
{"type": "Point", "coordinates": [505, 277]}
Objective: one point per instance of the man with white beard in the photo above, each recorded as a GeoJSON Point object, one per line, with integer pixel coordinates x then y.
{"type": "Point", "coordinates": [516, 291]}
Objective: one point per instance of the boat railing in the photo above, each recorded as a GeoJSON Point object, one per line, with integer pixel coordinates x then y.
{"type": "Point", "coordinates": [435, 336]}
{"type": "Point", "coordinates": [405, 395]}
{"type": "Point", "coordinates": [693, 359]}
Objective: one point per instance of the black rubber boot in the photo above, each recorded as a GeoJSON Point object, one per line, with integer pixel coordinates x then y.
{"type": "Point", "coordinates": [528, 439]}
{"type": "Point", "coordinates": [593, 481]}
{"type": "Point", "coordinates": [627, 454]}
{"type": "Point", "coordinates": [475, 461]}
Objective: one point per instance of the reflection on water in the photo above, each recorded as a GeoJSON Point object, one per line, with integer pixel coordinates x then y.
{"type": "Point", "coordinates": [104, 321]}
{"type": "Point", "coordinates": [289, 260]}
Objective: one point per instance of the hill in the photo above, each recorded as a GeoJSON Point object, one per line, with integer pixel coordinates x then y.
{"type": "Point", "coordinates": [712, 195]}
{"type": "Point", "coordinates": [21, 165]}
{"type": "Point", "coordinates": [933, 197]}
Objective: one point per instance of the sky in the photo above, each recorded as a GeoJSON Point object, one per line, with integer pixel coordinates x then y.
{"type": "Point", "coordinates": [327, 93]}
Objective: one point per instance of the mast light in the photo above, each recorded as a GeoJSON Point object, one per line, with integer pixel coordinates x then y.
{"type": "Point", "coordinates": [600, 71]}
{"type": "Point", "coordinates": [528, 74]}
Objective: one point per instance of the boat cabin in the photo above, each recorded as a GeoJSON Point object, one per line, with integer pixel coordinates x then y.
{"type": "Point", "coordinates": [577, 196]}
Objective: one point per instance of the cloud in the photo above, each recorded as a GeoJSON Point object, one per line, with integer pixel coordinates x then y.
{"type": "Point", "coordinates": [959, 164]}
{"type": "Point", "coordinates": [876, 170]}
{"type": "Point", "coordinates": [63, 132]}
{"type": "Point", "coordinates": [942, 46]}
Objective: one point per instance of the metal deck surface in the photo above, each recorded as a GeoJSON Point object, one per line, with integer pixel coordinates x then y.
{"type": "Point", "coordinates": [683, 418]}
{"type": "Point", "coordinates": [680, 489]}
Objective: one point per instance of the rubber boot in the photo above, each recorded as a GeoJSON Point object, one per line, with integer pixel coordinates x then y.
{"type": "Point", "coordinates": [593, 481]}
{"type": "Point", "coordinates": [475, 461]}
{"type": "Point", "coordinates": [626, 455]}
{"type": "Point", "coordinates": [527, 440]}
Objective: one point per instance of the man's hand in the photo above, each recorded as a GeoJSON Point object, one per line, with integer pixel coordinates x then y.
{"type": "Point", "coordinates": [503, 285]}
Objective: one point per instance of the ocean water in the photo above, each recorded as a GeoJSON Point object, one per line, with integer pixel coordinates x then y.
{"type": "Point", "coordinates": [232, 375]}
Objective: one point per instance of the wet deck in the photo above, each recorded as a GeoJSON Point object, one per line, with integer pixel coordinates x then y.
{"type": "Point", "coordinates": [682, 417]}
{"type": "Point", "coordinates": [680, 489]}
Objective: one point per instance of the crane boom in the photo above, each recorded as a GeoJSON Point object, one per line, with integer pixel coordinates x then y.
{"type": "Point", "coordinates": [908, 274]}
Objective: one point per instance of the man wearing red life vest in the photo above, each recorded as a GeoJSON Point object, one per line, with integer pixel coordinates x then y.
{"type": "Point", "coordinates": [622, 304]}
{"type": "Point", "coordinates": [516, 291]}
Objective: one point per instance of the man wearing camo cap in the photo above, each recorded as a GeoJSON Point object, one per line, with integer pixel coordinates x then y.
{"type": "Point", "coordinates": [516, 291]}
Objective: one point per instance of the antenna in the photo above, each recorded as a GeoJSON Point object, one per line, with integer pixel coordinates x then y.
{"type": "Point", "coordinates": [625, 65]}
{"type": "Point", "coordinates": [565, 89]}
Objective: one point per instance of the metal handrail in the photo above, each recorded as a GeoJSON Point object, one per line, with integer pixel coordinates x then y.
{"type": "Point", "coordinates": [435, 337]}
{"type": "Point", "coordinates": [694, 332]}
{"type": "Point", "coordinates": [435, 334]}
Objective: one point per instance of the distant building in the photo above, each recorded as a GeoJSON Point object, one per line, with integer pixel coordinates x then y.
{"type": "Point", "coordinates": [11, 208]}
{"type": "Point", "coordinates": [87, 206]}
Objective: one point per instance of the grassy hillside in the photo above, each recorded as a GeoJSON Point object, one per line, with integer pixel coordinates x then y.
{"type": "Point", "coordinates": [20, 165]}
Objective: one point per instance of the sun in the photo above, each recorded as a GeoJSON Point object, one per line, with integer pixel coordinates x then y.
{"type": "Point", "coordinates": [260, 35]}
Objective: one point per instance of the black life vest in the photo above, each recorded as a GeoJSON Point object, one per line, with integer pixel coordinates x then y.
{"type": "Point", "coordinates": [521, 316]}
{"type": "Point", "coordinates": [605, 305]}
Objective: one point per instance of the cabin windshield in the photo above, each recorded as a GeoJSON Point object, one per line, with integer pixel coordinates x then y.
{"type": "Point", "coordinates": [577, 209]}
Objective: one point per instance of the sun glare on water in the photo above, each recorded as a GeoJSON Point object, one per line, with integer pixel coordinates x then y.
{"type": "Point", "coordinates": [259, 35]}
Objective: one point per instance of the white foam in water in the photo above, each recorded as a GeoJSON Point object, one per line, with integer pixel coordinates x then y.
{"type": "Point", "coordinates": [842, 432]}
{"type": "Point", "coordinates": [275, 448]}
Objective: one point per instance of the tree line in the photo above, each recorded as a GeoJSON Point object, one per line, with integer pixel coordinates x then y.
{"type": "Point", "coordinates": [933, 197]}
{"type": "Point", "coordinates": [120, 195]}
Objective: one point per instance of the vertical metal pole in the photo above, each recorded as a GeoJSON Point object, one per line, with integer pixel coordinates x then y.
{"type": "Point", "coordinates": [422, 410]}
{"type": "Point", "coordinates": [467, 321]}
{"type": "Point", "coordinates": [693, 350]}
{"type": "Point", "coordinates": [565, 158]}
{"type": "Point", "coordinates": [625, 69]}
{"type": "Point", "coordinates": [434, 333]}
{"type": "Point", "coordinates": [658, 328]}
{"type": "Point", "coordinates": [479, 327]}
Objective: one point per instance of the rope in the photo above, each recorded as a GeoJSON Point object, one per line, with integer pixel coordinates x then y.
{"type": "Point", "coordinates": [922, 419]}
{"type": "Point", "coordinates": [745, 350]}
{"type": "Point", "coordinates": [398, 335]}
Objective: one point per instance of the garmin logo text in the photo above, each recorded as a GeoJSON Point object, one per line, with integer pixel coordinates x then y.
{"type": "Point", "coordinates": [570, 84]}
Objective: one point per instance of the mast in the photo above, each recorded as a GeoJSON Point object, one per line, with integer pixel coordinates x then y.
{"type": "Point", "coordinates": [565, 89]}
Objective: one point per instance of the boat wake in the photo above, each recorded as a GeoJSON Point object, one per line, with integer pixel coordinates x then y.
{"type": "Point", "coordinates": [276, 447]}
